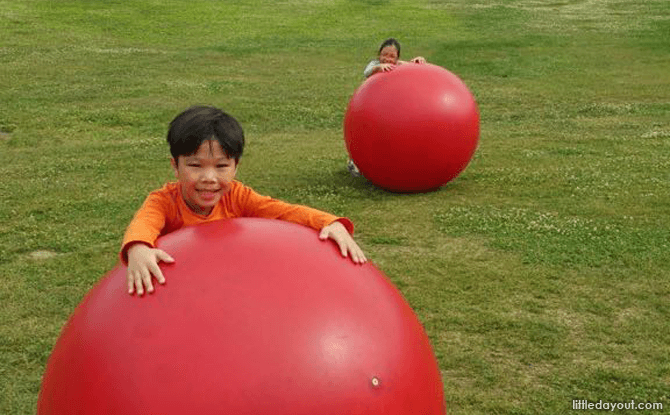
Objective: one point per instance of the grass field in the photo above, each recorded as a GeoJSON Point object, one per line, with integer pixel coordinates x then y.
{"type": "Point", "coordinates": [541, 274]}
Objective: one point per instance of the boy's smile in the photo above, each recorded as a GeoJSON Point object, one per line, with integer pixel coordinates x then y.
{"type": "Point", "coordinates": [204, 176]}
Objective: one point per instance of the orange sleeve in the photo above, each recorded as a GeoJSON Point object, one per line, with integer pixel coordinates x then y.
{"type": "Point", "coordinates": [164, 211]}
{"type": "Point", "coordinates": [253, 204]}
{"type": "Point", "coordinates": [149, 222]}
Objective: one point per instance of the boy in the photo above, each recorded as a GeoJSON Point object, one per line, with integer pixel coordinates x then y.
{"type": "Point", "coordinates": [206, 145]}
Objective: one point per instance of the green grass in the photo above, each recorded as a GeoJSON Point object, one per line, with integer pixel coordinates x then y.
{"type": "Point", "coordinates": [541, 274]}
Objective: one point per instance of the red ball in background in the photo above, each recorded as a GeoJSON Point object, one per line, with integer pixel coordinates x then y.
{"type": "Point", "coordinates": [258, 317]}
{"type": "Point", "coordinates": [412, 129]}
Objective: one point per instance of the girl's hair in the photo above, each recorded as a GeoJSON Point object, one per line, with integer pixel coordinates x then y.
{"type": "Point", "coordinates": [390, 42]}
{"type": "Point", "coordinates": [201, 123]}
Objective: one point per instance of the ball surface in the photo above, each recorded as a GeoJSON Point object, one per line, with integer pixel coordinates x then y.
{"type": "Point", "coordinates": [412, 129]}
{"type": "Point", "coordinates": [257, 316]}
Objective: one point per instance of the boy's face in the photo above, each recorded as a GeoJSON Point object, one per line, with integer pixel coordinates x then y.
{"type": "Point", "coordinates": [204, 176]}
{"type": "Point", "coordinates": [388, 55]}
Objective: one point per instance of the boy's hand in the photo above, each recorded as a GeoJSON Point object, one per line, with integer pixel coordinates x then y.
{"type": "Point", "coordinates": [419, 60]}
{"type": "Point", "coordinates": [338, 233]}
{"type": "Point", "coordinates": [142, 264]}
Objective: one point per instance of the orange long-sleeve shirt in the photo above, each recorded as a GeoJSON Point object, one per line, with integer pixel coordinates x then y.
{"type": "Point", "coordinates": [165, 211]}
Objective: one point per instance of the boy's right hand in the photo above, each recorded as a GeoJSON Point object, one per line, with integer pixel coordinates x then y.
{"type": "Point", "coordinates": [142, 265]}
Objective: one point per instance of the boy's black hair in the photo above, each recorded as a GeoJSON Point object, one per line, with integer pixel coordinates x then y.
{"type": "Point", "coordinates": [390, 42]}
{"type": "Point", "coordinates": [201, 123]}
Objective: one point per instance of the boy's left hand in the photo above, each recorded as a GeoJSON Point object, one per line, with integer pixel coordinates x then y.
{"type": "Point", "coordinates": [338, 233]}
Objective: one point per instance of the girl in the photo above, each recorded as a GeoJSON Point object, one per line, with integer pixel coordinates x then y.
{"type": "Point", "coordinates": [389, 58]}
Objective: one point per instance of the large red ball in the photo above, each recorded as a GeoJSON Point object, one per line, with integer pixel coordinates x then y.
{"type": "Point", "coordinates": [412, 129]}
{"type": "Point", "coordinates": [258, 317]}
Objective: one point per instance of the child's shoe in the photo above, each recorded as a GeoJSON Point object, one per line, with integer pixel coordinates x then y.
{"type": "Point", "coordinates": [353, 169]}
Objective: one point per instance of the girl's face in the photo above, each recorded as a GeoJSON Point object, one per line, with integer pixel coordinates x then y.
{"type": "Point", "coordinates": [389, 54]}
